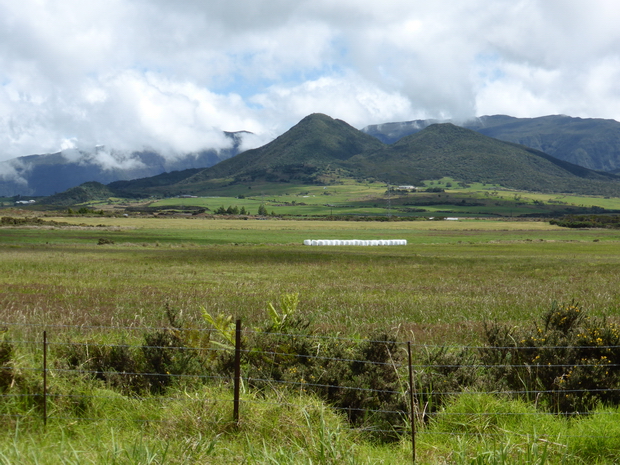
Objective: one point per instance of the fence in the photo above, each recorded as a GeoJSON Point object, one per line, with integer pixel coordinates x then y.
{"type": "Point", "coordinates": [384, 388]}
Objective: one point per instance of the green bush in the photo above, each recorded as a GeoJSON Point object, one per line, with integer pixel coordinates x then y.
{"type": "Point", "coordinates": [7, 373]}
{"type": "Point", "coordinates": [568, 361]}
{"type": "Point", "coordinates": [444, 373]}
{"type": "Point", "coordinates": [153, 366]}
{"type": "Point", "coordinates": [118, 366]}
{"type": "Point", "coordinates": [360, 378]}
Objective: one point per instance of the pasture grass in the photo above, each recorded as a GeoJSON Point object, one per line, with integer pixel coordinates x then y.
{"type": "Point", "coordinates": [346, 192]}
{"type": "Point", "coordinates": [293, 428]}
{"type": "Point", "coordinates": [349, 197]}
{"type": "Point", "coordinates": [449, 279]}
{"type": "Point", "coordinates": [439, 289]}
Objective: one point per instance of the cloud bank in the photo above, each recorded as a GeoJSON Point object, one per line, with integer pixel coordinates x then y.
{"type": "Point", "coordinates": [171, 76]}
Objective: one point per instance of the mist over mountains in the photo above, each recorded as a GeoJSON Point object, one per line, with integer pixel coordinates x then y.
{"type": "Point", "coordinates": [42, 175]}
{"type": "Point", "coordinates": [323, 150]}
{"type": "Point", "coordinates": [315, 142]}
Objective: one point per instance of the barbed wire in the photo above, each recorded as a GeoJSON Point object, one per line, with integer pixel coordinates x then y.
{"type": "Point", "coordinates": [302, 384]}
{"type": "Point", "coordinates": [318, 357]}
{"type": "Point", "coordinates": [306, 336]}
{"type": "Point", "coordinates": [332, 407]}
{"type": "Point", "coordinates": [103, 327]}
{"type": "Point", "coordinates": [297, 383]}
{"type": "Point", "coordinates": [516, 414]}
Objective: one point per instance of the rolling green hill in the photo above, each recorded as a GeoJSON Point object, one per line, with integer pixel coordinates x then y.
{"type": "Point", "coordinates": [593, 143]}
{"type": "Point", "coordinates": [320, 149]}
{"type": "Point", "coordinates": [86, 192]}
{"type": "Point", "coordinates": [139, 187]}
{"type": "Point", "coordinates": [314, 144]}
{"type": "Point", "coordinates": [448, 150]}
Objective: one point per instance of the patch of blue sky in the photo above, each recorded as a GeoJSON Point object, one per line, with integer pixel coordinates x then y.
{"type": "Point", "coordinates": [144, 69]}
{"type": "Point", "coordinates": [488, 67]}
{"type": "Point", "coordinates": [247, 85]}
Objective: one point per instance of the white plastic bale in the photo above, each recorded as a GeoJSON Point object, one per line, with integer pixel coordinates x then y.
{"type": "Point", "coordinates": [357, 242]}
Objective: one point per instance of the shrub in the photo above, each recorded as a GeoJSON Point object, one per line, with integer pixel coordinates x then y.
{"type": "Point", "coordinates": [6, 370]}
{"type": "Point", "coordinates": [358, 378]}
{"type": "Point", "coordinates": [152, 366]}
{"type": "Point", "coordinates": [567, 361]}
{"type": "Point", "coordinates": [117, 365]}
{"type": "Point", "coordinates": [445, 372]}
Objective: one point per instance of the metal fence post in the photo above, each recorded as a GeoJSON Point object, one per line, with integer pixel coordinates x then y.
{"type": "Point", "coordinates": [237, 370]}
{"type": "Point", "coordinates": [411, 402]}
{"type": "Point", "coordinates": [45, 378]}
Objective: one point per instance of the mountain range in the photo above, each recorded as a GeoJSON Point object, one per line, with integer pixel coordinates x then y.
{"type": "Point", "coordinates": [42, 175]}
{"type": "Point", "coordinates": [589, 142]}
{"type": "Point", "coordinates": [320, 149]}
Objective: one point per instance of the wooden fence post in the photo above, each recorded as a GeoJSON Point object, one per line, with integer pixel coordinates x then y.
{"type": "Point", "coordinates": [237, 371]}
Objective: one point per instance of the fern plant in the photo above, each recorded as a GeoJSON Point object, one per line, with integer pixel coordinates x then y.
{"type": "Point", "coordinates": [225, 327]}
{"type": "Point", "coordinates": [288, 307]}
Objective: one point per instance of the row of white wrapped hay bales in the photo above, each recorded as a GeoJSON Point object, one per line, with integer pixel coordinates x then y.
{"type": "Point", "coordinates": [355, 242]}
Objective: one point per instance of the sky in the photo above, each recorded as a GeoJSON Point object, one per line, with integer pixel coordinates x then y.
{"type": "Point", "coordinates": [172, 75]}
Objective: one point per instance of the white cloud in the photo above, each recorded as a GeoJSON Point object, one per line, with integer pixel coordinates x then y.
{"type": "Point", "coordinates": [10, 173]}
{"type": "Point", "coordinates": [349, 98]}
{"type": "Point", "coordinates": [130, 74]}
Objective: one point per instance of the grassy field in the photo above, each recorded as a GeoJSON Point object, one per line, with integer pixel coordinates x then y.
{"type": "Point", "coordinates": [440, 288]}
{"type": "Point", "coordinates": [347, 197]}
{"type": "Point", "coordinates": [448, 279]}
